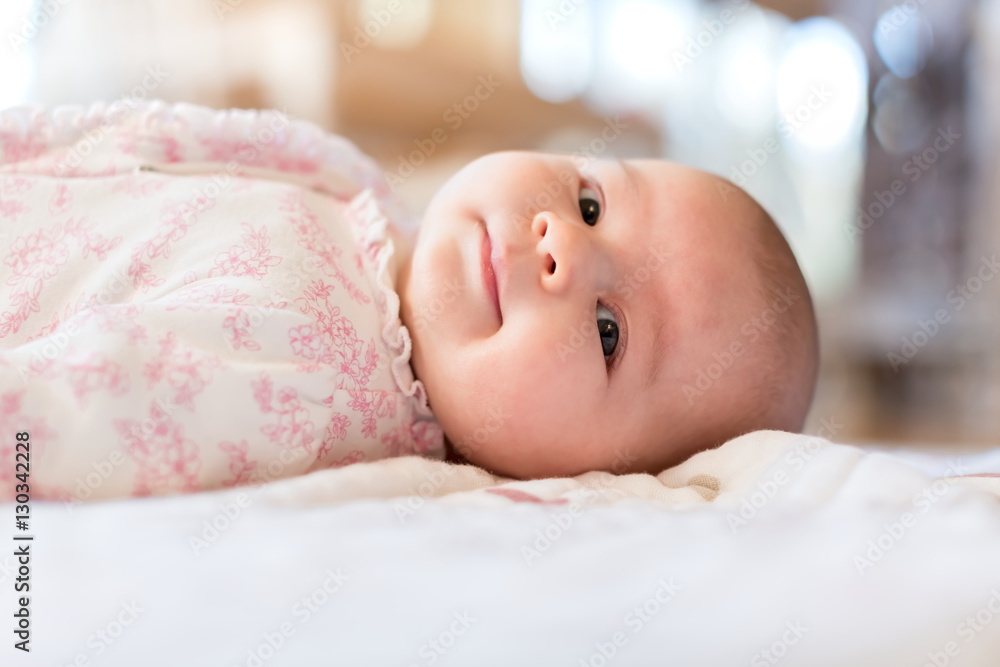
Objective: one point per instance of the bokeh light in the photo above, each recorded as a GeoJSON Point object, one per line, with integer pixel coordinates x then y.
{"type": "Point", "coordinates": [557, 48]}
{"type": "Point", "coordinates": [399, 29]}
{"type": "Point", "coordinates": [822, 85]}
{"type": "Point", "coordinates": [747, 71]}
{"type": "Point", "coordinates": [640, 42]}
{"type": "Point", "coordinates": [15, 60]}
{"type": "Point", "coordinates": [903, 39]}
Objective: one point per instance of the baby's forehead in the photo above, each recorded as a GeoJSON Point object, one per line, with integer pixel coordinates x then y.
{"type": "Point", "coordinates": [672, 194]}
{"type": "Point", "coordinates": [666, 183]}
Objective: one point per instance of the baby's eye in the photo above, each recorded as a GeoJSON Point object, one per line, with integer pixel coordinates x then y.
{"type": "Point", "coordinates": [607, 328]}
{"type": "Point", "coordinates": [590, 207]}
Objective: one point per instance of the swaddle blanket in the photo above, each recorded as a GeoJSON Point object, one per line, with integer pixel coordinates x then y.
{"type": "Point", "coordinates": [194, 299]}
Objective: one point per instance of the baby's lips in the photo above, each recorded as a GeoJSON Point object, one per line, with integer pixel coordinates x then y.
{"type": "Point", "coordinates": [489, 273]}
{"type": "Point", "coordinates": [498, 260]}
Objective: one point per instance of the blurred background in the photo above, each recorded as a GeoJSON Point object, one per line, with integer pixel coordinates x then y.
{"type": "Point", "coordinates": [868, 128]}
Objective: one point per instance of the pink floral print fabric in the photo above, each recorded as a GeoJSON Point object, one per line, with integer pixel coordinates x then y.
{"type": "Point", "coordinates": [193, 299]}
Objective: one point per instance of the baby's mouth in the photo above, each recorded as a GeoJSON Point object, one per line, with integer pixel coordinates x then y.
{"type": "Point", "coordinates": [489, 272]}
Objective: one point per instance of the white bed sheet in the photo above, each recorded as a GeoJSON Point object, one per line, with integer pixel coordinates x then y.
{"type": "Point", "coordinates": [450, 584]}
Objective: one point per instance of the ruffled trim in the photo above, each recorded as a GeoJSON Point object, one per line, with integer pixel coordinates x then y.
{"type": "Point", "coordinates": [372, 231]}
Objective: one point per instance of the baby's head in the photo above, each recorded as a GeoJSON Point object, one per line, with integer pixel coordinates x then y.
{"type": "Point", "coordinates": [643, 311]}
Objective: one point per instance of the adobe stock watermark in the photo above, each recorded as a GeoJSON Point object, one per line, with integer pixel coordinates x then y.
{"type": "Point", "coordinates": [49, 347]}
{"type": "Point", "coordinates": [73, 155]}
{"type": "Point", "coordinates": [794, 460]}
{"type": "Point", "coordinates": [102, 472]}
{"type": "Point", "coordinates": [563, 521]}
{"type": "Point", "coordinates": [454, 117]}
{"type": "Point", "coordinates": [293, 276]}
{"type": "Point", "coordinates": [898, 16]}
{"type": "Point", "coordinates": [569, 178]}
{"type": "Point", "coordinates": [915, 167]}
{"type": "Point", "coordinates": [635, 620]}
{"type": "Point", "coordinates": [563, 11]}
{"type": "Point", "coordinates": [244, 321]}
{"type": "Point", "coordinates": [424, 316]}
{"type": "Point", "coordinates": [223, 7]}
{"type": "Point", "coordinates": [586, 153]}
{"type": "Point", "coordinates": [415, 500]}
{"type": "Point", "coordinates": [56, 343]}
{"type": "Point", "coordinates": [434, 648]}
{"type": "Point", "coordinates": [231, 510]}
{"type": "Point", "coordinates": [970, 627]}
{"type": "Point", "coordinates": [778, 649]}
{"type": "Point", "coordinates": [378, 20]}
{"type": "Point", "coordinates": [786, 126]}
{"type": "Point", "coordinates": [203, 197]}
{"type": "Point", "coordinates": [471, 442]}
{"type": "Point", "coordinates": [955, 301]}
{"type": "Point", "coordinates": [586, 332]}
{"type": "Point", "coordinates": [289, 279]}
{"type": "Point", "coordinates": [39, 16]}
{"type": "Point", "coordinates": [162, 410]}
{"type": "Point", "coordinates": [711, 30]}
{"type": "Point", "coordinates": [893, 532]}
{"type": "Point", "coordinates": [303, 610]}
{"type": "Point", "coordinates": [101, 639]}
{"type": "Point", "coordinates": [752, 330]}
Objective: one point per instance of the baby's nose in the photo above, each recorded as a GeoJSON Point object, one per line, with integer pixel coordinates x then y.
{"type": "Point", "coordinates": [560, 250]}
{"type": "Point", "coordinates": [540, 227]}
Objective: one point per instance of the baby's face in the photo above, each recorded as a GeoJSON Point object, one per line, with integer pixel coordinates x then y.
{"type": "Point", "coordinates": [559, 309]}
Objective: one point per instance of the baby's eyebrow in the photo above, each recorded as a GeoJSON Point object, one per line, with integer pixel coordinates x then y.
{"type": "Point", "coordinates": [657, 353]}
{"type": "Point", "coordinates": [629, 175]}
{"type": "Point", "coordinates": [658, 350]}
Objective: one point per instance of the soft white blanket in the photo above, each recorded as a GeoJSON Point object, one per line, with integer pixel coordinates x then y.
{"type": "Point", "coordinates": [773, 549]}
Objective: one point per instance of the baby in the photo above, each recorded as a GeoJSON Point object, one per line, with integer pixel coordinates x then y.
{"type": "Point", "coordinates": [561, 315]}
{"type": "Point", "coordinates": [193, 299]}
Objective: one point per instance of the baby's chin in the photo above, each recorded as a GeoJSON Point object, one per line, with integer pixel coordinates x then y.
{"type": "Point", "coordinates": [525, 468]}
